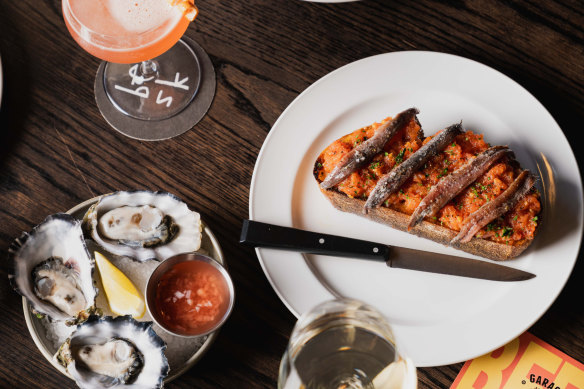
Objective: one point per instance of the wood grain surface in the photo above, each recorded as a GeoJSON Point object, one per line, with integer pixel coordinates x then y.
{"type": "Point", "coordinates": [56, 150]}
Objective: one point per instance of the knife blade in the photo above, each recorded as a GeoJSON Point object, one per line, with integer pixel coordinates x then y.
{"type": "Point", "coordinates": [258, 234]}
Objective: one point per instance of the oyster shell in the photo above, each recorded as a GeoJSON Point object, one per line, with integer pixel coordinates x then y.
{"type": "Point", "coordinates": [110, 352]}
{"type": "Point", "coordinates": [144, 225]}
{"type": "Point", "coordinates": [52, 268]}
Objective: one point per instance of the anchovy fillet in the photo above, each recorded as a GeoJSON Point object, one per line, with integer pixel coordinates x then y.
{"type": "Point", "coordinates": [391, 182]}
{"type": "Point", "coordinates": [493, 209]}
{"type": "Point", "coordinates": [360, 155]}
{"type": "Point", "coordinates": [451, 185]}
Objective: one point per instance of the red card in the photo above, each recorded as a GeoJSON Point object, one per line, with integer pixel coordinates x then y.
{"type": "Point", "coordinates": [524, 363]}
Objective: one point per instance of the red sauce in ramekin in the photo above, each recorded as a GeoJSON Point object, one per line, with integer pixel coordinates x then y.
{"type": "Point", "coordinates": [191, 298]}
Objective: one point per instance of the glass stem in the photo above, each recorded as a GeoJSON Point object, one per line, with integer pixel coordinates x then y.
{"type": "Point", "coordinates": [149, 68]}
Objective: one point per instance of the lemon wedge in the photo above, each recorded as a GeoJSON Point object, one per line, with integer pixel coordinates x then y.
{"type": "Point", "coordinates": [122, 296]}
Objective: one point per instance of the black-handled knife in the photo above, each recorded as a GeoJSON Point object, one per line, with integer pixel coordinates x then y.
{"type": "Point", "coordinates": [260, 234]}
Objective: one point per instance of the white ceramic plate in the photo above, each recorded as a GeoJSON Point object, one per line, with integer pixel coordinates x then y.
{"type": "Point", "coordinates": [437, 319]}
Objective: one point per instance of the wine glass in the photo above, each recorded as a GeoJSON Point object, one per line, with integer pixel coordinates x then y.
{"type": "Point", "coordinates": [344, 344]}
{"type": "Point", "coordinates": [152, 79]}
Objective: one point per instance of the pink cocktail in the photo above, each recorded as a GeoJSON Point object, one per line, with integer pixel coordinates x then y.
{"type": "Point", "coordinates": [150, 73]}
{"type": "Point", "coordinates": [124, 31]}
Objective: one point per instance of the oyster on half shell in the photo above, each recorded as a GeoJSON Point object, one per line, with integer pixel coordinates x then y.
{"type": "Point", "coordinates": [115, 352]}
{"type": "Point", "coordinates": [144, 225]}
{"type": "Point", "coordinates": [52, 268]}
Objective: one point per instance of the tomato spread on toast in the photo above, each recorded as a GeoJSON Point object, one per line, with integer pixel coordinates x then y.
{"type": "Point", "coordinates": [488, 172]}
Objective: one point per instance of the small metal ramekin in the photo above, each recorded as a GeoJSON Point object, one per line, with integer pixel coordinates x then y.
{"type": "Point", "coordinates": [164, 267]}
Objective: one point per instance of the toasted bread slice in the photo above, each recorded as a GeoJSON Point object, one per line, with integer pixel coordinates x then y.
{"type": "Point", "coordinates": [481, 247]}
{"type": "Point", "coordinates": [505, 238]}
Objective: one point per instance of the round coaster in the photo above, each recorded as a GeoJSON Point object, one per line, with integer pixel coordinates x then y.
{"type": "Point", "coordinates": [167, 128]}
{"type": "Point", "coordinates": [170, 87]}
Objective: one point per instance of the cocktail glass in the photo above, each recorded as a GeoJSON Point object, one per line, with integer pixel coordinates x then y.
{"type": "Point", "coordinates": [150, 73]}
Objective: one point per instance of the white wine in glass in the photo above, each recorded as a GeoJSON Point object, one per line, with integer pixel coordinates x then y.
{"type": "Point", "coordinates": [344, 344]}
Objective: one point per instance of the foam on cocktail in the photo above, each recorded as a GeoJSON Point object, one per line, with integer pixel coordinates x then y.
{"type": "Point", "coordinates": [143, 15]}
{"type": "Point", "coordinates": [124, 31]}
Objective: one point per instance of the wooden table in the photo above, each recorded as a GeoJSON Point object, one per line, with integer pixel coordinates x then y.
{"type": "Point", "coordinates": [56, 150]}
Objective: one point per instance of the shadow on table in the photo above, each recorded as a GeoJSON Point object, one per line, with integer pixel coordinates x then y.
{"type": "Point", "coordinates": [15, 97]}
{"type": "Point", "coordinates": [559, 324]}
{"type": "Point", "coordinates": [567, 312]}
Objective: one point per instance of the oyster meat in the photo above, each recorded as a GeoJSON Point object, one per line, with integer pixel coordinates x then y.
{"type": "Point", "coordinates": [116, 358]}
{"type": "Point", "coordinates": [144, 225]}
{"type": "Point", "coordinates": [52, 268]}
{"type": "Point", "coordinates": [110, 352]}
{"type": "Point", "coordinates": [59, 284]}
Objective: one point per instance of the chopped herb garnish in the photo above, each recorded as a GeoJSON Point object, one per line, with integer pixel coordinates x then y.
{"type": "Point", "coordinates": [374, 165]}
{"type": "Point", "coordinates": [535, 219]}
{"type": "Point", "coordinates": [400, 157]}
{"type": "Point", "coordinates": [515, 218]}
{"type": "Point", "coordinates": [443, 173]}
{"type": "Point", "coordinates": [507, 231]}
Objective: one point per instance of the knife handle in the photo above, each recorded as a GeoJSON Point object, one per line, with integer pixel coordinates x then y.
{"type": "Point", "coordinates": [260, 234]}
